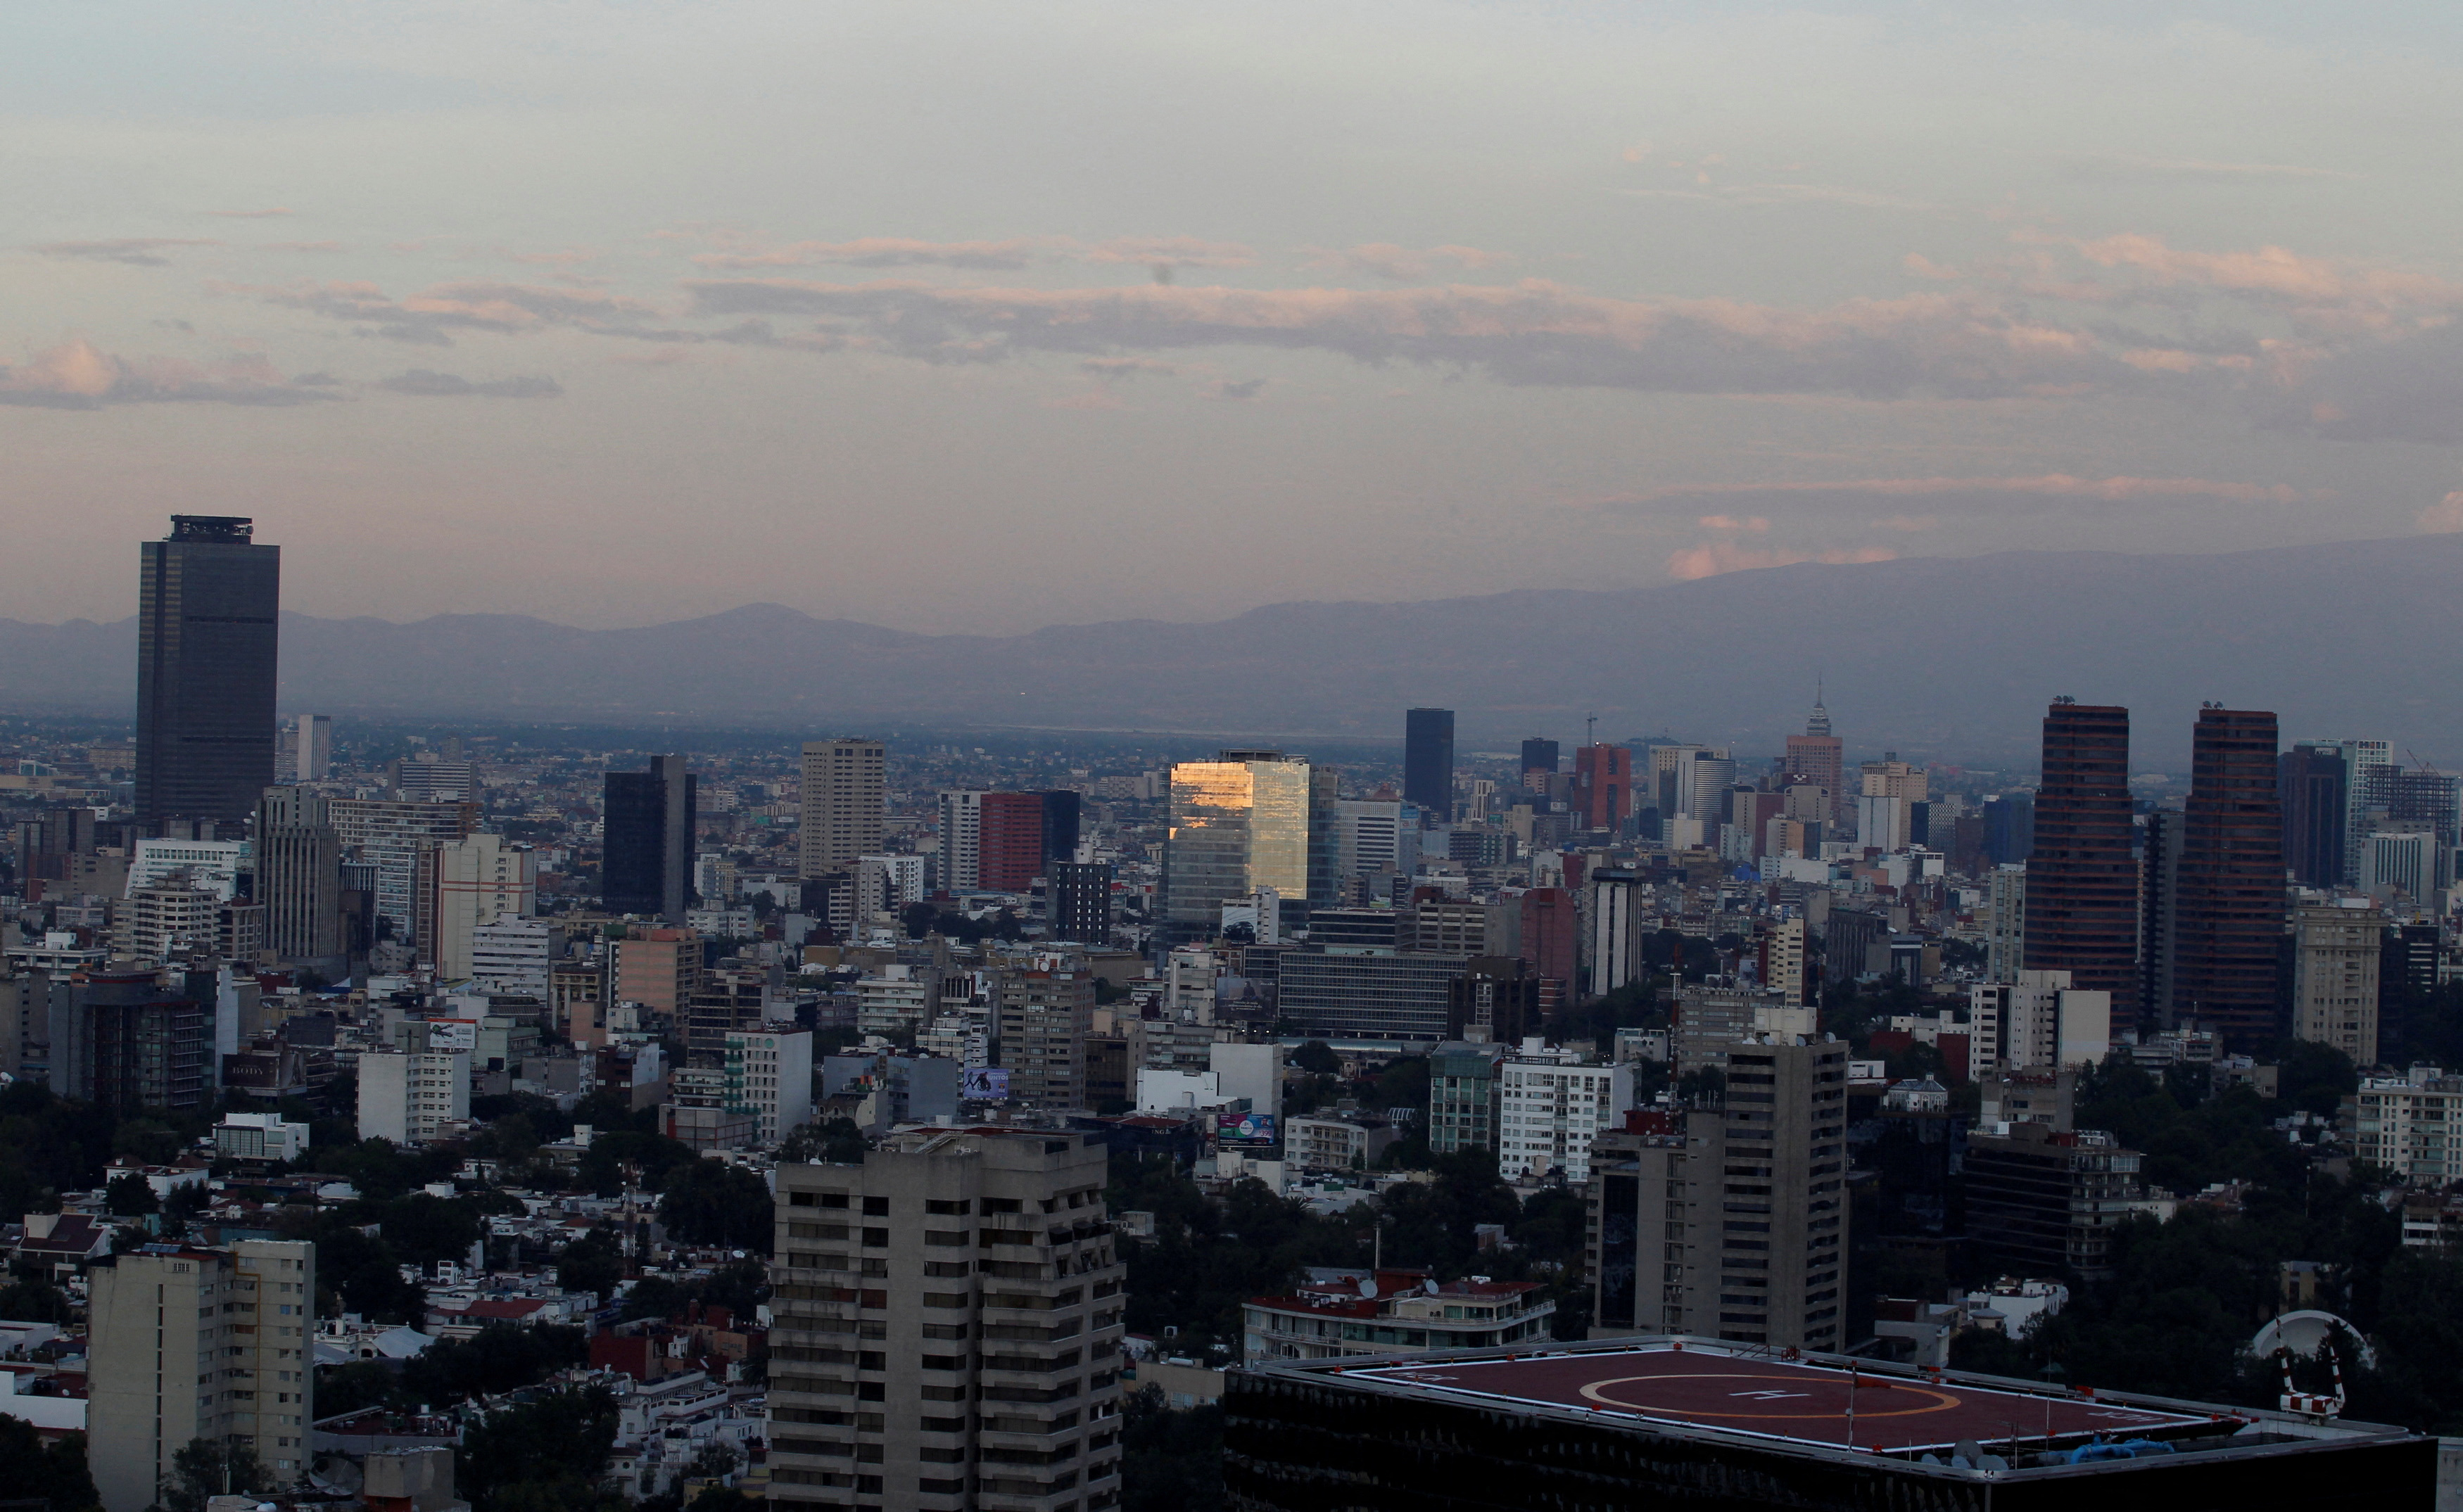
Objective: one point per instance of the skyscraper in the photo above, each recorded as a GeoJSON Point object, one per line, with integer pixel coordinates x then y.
{"type": "Point", "coordinates": [1063, 808]}
{"type": "Point", "coordinates": [299, 875]}
{"type": "Point", "coordinates": [312, 757]}
{"type": "Point", "coordinates": [1238, 823]}
{"type": "Point", "coordinates": [2081, 880]}
{"type": "Point", "coordinates": [846, 793]}
{"type": "Point", "coordinates": [1011, 834]}
{"type": "Point", "coordinates": [1079, 904]}
{"type": "Point", "coordinates": [1602, 786]}
{"type": "Point", "coordinates": [962, 839]}
{"type": "Point", "coordinates": [206, 606]}
{"type": "Point", "coordinates": [1539, 756]}
{"type": "Point", "coordinates": [1819, 755]}
{"type": "Point", "coordinates": [2228, 928]}
{"type": "Point", "coordinates": [1429, 762]}
{"type": "Point", "coordinates": [648, 838]}
{"type": "Point", "coordinates": [2310, 784]}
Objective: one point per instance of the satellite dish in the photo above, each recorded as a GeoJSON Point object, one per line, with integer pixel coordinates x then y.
{"type": "Point", "coordinates": [1368, 1286]}
{"type": "Point", "coordinates": [1429, 1286]}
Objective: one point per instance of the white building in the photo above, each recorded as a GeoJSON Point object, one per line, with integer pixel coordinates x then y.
{"type": "Point", "coordinates": [408, 1099]}
{"type": "Point", "coordinates": [479, 879]}
{"type": "Point", "coordinates": [2039, 1021]}
{"type": "Point", "coordinates": [893, 1000]}
{"type": "Point", "coordinates": [513, 954]}
{"type": "Point", "coordinates": [259, 1137]}
{"type": "Point", "coordinates": [2005, 922]}
{"type": "Point", "coordinates": [2407, 864]}
{"type": "Point", "coordinates": [1548, 1112]}
{"type": "Point", "coordinates": [311, 751]}
{"type": "Point", "coordinates": [770, 1075]}
{"type": "Point", "coordinates": [1167, 1091]}
{"type": "Point", "coordinates": [2410, 1125]}
{"type": "Point", "coordinates": [213, 865]}
{"type": "Point", "coordinates": [1376, 838]}
{"type": "Point", "coordinates": [962, 840]}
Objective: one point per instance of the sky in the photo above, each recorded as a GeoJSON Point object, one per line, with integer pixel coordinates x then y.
{"type": "Point", "coordinates": [977, 318]}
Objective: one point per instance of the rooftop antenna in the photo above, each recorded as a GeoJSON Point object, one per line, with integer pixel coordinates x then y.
{"type": "Point", "coordinates": [1590, 729]}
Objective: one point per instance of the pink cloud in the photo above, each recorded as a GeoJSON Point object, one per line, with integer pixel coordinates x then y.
{"type": "Point", "coordinates": [1712, 558]}
{"type": "Point", "coordinates": [249, 215]}
{"type": "Point", "coordinates": [2445, 516]}
{"type": "Point", "coordinates": [2053, 483]}
{"type": "Point", "coordinates": [1729, 522]}
{"type": "Point", "coordinates": [1402, 264]}
{"type": "Point", "coordinates": [78, 375]}
{"type": "Point", "coordinates": [883, 251]}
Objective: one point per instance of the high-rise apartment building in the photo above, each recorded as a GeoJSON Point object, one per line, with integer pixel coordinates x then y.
{"type": "Point", "coordinates": [136, 1044]}
{"type": "Point", "coordinates": [2365, 762]}
{"type": "Point", "coordinates": [1374, 838]}
{"type": "Point", "coordinates": [728, 1001]}
{"type": "Point", "coordinates": [1729, 1222]}
{"type": "Point", "coordinates": [209, 604]}
{"type": "Point", "coordinates": [397, 837]}
{"type": "Point", "coordinates": [2335, 977]}
{"type": "Point", "coordinates": [2005, 922]}
{"type": "Point", "coordinates": [1429, 762]}
{"type": "Point", "coordinates": [1078, 905]}
{"type": "Point", "coordinates": [2159, 913]}
{"type": "Point", "coordinates": [2310, 784]}
{"type": "Point", "coordinates": [479, 881]}
{"type": "Point", "coordinates": [1602, 797]}
{"type": "Point", "coordinates": [2039, 1022]}
{"type": "Point", "coordinates": [2405, 866]}
{"type": "Point", "coordinates": [846, 803]}
{"type": "Point", "coordinates": [770, 1079]}
{"type": "Point", "coordinates": [962, 839]}
{"type": "Point", "coordinates": [1550, 1110]}
{"type": "Point", "coordinates": [1044, 1015]}
{"type": "Point", "coordinates": [1239, 823]}
{"type": "Point", "coordinates": [515, 955]}
{"type": "Point", "coordinates": [312, 748]}
{"type": "Point", "coordinates": [2228, 928]}
{"type": "Point", "coordinates": [1463, 1095]}
{"type": "Point", "coordinates": [1616, 934]}
{"type": "Point", "coordinates": [1552, 942]}
{"type": "Point", "coordinates": [1010, 840]}
{"type": "Point", "coordinates": [2008, 829]}
{"type": "Point", "coordinates": [946, 1329]}
{"type": "Point", "coordinates": [2081, 879]}
{"type": "Point", "coordinates": [187, 1343]}
{"type": "Point", "coordinates": [299, 875]}
{"type": "Point", "coordinates": [647, 838]}
{"type": "Point", "coordinates": [410, 1097]}
{"type": "Point", "coordinates": [659, 969]}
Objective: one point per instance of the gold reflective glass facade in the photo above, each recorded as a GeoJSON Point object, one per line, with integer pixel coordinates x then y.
{"type": "Point", "coordinates": [1237, 824]}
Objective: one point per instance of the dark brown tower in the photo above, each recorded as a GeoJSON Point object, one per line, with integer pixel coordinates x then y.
{"type": "Point", "coordinates": [2081, 883]}
{"type": "Point", "coordinates": [2228, 926]}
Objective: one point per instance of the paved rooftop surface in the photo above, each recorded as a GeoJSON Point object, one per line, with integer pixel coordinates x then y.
{"type": "Point", "coordinates": [1805, 1403]}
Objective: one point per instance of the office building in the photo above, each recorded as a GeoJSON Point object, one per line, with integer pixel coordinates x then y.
{"type": "Point", "coordinates": [135, 1043]}
{"type": "Point", "coordinates": [2081, 879]}
{"type": "Point", "coordinates": [1429, 762]}
{"type": "Point", "coordinates": [2335, 962]}
{"type": "Point", "coordinates": [945, 1327]}
{"type": "Point", "coordinates": [1778, 949]}
{"type": "Point", "coordinates": [2365, 764]}
{"type": "Point", "coordinates": [1009, 841]}
{"type": "Point", "coordinates": [649, 840]}
{"type": "Point", "coordinates": [1706, 1020]}
{"type": "Point", "coordinates": [1552, 942]}
{"type": "Point", "coordinates": [846, 803]}
{"type": "Point", "coordinates": [1816, 755]}
{"type": "Point", "coordinates": [397, 837]}
{"type": "Point", "coordinates": [1618, 898]}
{"type": "Point", "coordinates": [515, 955]}
{"type": "Point", "coordinates": [2005, 922]}
{"type": "Point", "coordinates": [1366, 993]}
{"type": "Point", "coordinates": [1729, 1222]}
{"type": "Point", "coordinates": [299, 875]}
{"type": "Point", "coordinates": [2042, 1202]}
{"type": "Point", "coordinates": [1602, 796]}
{"type": "Point", "coordinates": [1548, 1112]}
{"type": "Point", "coordinates": [1063, 818]}
{"type": "Point", "coordinates": [2008, 829]}
{"type": "Point", "coordinates": [1078, 905]}
{"type": "Point", "coordinates": [410, 1097]}
{"type": "Point", "coordinates": [208, 603]}
{"type": "Point", "coordinates": [1497, 998]}
{"type": "Point", "coordinates": [1343, 1312]}
{"type": "Point", "coordinates": [312, 748]}
{"type": "Point", "coordinates": [166, 919]}
{"type": "Point", "coordinates": [2310, 784]}
{"type": "Point", "coordinates": [2404, 866]}
{"type": "Point", "coordinates": [2407, 1125]}
{"type": "Point", "coordinates": [2159, 909]}
{"type": "Point", "coordinates": [1044, 1016]}
{"type": "Point", "coordinates": [479, 881]}
{"type": "Point", "coordinates": [1239, 825]}
{"type": "Point", "coordinates": [659, 969]}
{"type": "Point", "coordinates": [2039, 1022]}
{"type": "Point", "coordinates": [2226, 926]}
{"type": "Point", "coordinates": [962, 840]}
{"type": "Point", "coordinates": [1538, 756]}
{"type": "Point", "coordinates": [728, 1001]}
{"type": "Point", "coordinates": [1464, 1088]}
{"type": "Point", "coordinates": [214, 865]}
{"type": "Point", "coordinates": [1375, 839]}
{"type": "Point", "coordinates": [427, 777]}
{"type": "Point", "coordinates": [770, 1079]}
{"type": "Point", "coordinates": [189, 1342]}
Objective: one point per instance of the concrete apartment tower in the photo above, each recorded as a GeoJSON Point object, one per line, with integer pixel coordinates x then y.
{"type": "Point", "coordinates": [1731, 1222]}
{"type": "Point", "coordinates": [846, 789]}
{"type": "Point", "coordinates": [947, 1328]}
{"type": "Point", "coordinates": [190, 1342]}
{"type": "Point", "coordinates": [208, 599]}
{"type": "Point", "coordinates": [2335, 977]}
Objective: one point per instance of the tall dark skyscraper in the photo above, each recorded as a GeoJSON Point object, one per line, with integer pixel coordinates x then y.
{"type": "Point", "coordinates": [1538, 755]}
{"type": "Point", "coordinates": [2228, 928]}
{"type": "Point", "coordinates": [2081, 880]}
{"type": "Point", "coordinates": [649, 840]}
{"type": "Point", "coordinates": [1429, 762]}
{"type": "Point", "coordinates": [2310, 783]}
{"type": "Point", "coordinates": [207, 601]}
{"type": "Point", "coordinates": [1062, 808]}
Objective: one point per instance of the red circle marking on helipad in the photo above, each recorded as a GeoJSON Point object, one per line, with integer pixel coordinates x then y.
{"type": "Point", "coordinates": [1597, 1391]}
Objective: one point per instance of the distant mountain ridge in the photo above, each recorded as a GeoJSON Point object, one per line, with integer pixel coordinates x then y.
{"type": "Point", "coordinates": [1942, 657]}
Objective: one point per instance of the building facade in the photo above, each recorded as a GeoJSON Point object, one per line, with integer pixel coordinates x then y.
{"type": "Point", "coordinates": [1239, 825]}
{"type": "Point", "coordinates": [2082, 877]}
{"type": "Point", "coordinates": [2336, 949]}
{"type": "Point", "coordinates": [1429, 762]}
{"type": "Point", "coordinates": [209, 608]}
{"type": "Point", "coordinates": [1549, 1111]}
{"type": "Point", "coordinates": [2227, 931]}
{"type": "Point", "coordinates": [648, 840]}
{"type": "Point", "coordinates": [410, 1097]}
{"type": "Point", "coordinates": [844, 803]}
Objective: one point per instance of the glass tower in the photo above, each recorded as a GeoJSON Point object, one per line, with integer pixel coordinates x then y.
{"type": "Point", "coordinates": [207, 600]}
{"type": "Point", "coordinates": [1239, 823]}
{"type": "Point", "coordinates": [1429, 762]}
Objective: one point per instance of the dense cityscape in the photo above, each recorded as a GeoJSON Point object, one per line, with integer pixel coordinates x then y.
{"type": "Point", "coordinates": [522, 1117]}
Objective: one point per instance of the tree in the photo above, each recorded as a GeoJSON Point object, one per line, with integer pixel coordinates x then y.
{"type": "Point", "coordinates": [591, 1263]}
{"type": "Point", "coordinates": [1318, 1059]}
{"type": "Point", "coordinates": [837, 1142]}
{"type": "Point", "coordinates": [711, 1203]}
{"type": "Point", "coordinates": [545, 1454]}
{"type": "Point", "coordinates": [1170, 1461]}
{"type": "Point", "coordinates": [129, 1194]}
{"type": "Point", "coordinates": [54, 1474]}
{"type": "Point", "coordinates": [499, 1358]}
{"type": "Point", "coordinates": [211, 1467]}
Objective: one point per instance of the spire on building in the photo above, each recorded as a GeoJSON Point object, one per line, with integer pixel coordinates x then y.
{"type": "Point", "coordinates": [1819, 722]}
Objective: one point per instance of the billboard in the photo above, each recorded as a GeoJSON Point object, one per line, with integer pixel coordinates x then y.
{"type": "Point", "coordinates": [983, 1084]}
{"type": "Point", "coordinates": [1244, 1129]}
{"type": "Point", "coordinates": [453, 1034]}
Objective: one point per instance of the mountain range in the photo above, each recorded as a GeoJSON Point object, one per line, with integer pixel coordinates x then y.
{"type": "Point", "coordinates": [1939, 658]}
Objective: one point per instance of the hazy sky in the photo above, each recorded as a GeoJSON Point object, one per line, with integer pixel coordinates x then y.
{"type": "Point", "coordinates": [983, 316]}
